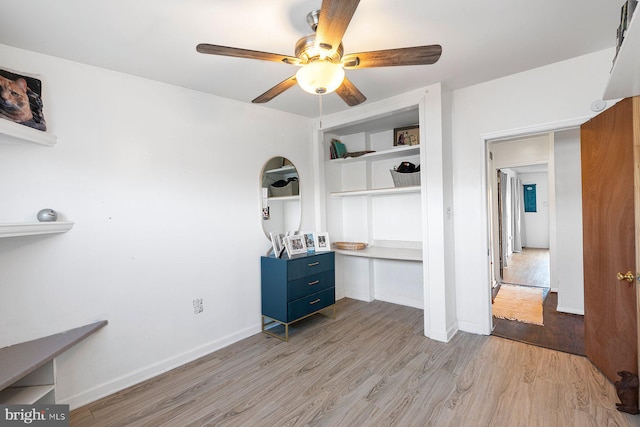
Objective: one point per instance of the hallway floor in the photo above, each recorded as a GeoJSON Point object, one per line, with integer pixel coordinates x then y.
{"type": "Point", "coordinates": [561, 331]}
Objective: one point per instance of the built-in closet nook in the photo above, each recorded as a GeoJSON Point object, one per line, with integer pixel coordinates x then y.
{"type": "Point", "coordinates": [405, 227]}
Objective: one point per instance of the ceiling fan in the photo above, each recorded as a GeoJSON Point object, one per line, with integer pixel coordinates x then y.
{"type": "Point", "coordinates": [321, 57]}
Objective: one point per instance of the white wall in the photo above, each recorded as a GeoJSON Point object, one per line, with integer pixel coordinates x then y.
{"type": "Point", "coordinates": [163, 186]}
{"type": "Point", "coordinates": [552, 94]}
{"type": "Point", "coordinates": [568, 183]}
{"type": "Point", "coordinates": [536, 223]}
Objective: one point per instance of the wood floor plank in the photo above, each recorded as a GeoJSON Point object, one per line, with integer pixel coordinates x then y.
{"type": "Point", "coordinates": [371, 366]}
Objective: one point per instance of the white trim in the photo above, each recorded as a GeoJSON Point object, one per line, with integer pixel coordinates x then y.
{"type": "Point", "coordinates": [446, 335]}
{"type": "Point", "coordinates": [360, 296]}
{"type": "Point", "coordinates": [399, 299]}
{"type": "Point", "coordinates": [474, 328]}
{"type": "Point", "coordinates": [570, 310]}
{"type": "Point", "coordinates": [148, 372]}
{"type": "Point", "coordinates": [540, 128]}
{"type": "Point", "coordinates": [535, 129]}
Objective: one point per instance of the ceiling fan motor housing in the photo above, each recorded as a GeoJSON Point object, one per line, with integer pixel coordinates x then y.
{"type": "Point", "coordinates": [307, 52]}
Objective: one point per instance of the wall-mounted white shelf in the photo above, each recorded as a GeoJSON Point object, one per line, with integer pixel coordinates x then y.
{"type": "Point", "coordinates": [377, 191]}
{"type": "Point", "coordinates": [26, 133]}
{"type": "Point", "coordinates": [624, 80]}
{"type": "Point", "coordinates": [284, 198]}
{"type": "Point", "coordinates": [283, 169]}
{"type": "Point", "coordinates": [14, 229]}
{"type": "Point", "coordinates": [406, 150]}
{"type": "Point", "coordinates": [404, 254]}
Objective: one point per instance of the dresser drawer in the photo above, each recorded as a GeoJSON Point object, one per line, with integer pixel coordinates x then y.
{"type": "Point", "coordinates": [310, 265]}
{"type": "Point", "coordinates": [311, 303]}
{"type": "Point", "coordinates": [310, 284]}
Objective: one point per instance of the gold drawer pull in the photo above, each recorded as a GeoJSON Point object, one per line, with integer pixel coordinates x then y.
{"type": "Point", "coordinates": [315, 301]}
{"type": "Point", "coordinates": [313, 264]}
{"type": "Point", "coordinates": [315, 282]}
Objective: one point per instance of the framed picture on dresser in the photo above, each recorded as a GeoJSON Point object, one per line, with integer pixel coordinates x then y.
{"type": "Point", "coordinates": [277, 242]}
{"type": "Point", "coordinates": [296, 245]}
{"type": "Point", "coordinates": [322, 242]}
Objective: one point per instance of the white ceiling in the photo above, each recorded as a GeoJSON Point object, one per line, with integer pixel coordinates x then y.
{"type": "Point", "coordinates": [156, 39]}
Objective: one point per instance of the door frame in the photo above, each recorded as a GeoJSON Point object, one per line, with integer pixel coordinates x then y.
{"type": "Point", "coordinates": [487, 139]}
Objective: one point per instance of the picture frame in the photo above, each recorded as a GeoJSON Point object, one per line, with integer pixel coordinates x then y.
{"type": "Point", "coordinates": [322, 242]}
{"type": "Point", "coordinates": [295, 245]}
{"type": "Point", "coordinates": [408, 135]}
{"type": "Point", "coordinates": [276, 243]}
{"type": "Point", "coordinates": [27, 107]}
{"type": "Point", "coordinates": [309, 241]}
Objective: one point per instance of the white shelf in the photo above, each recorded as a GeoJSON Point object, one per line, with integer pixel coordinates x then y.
{"type": "Point", "coordinates": [407, 150]}
{"type": "Point", "coordinates": [24, 395]}
{"type": "Point", "coordinates": [27, 133]}
{"type": "Point", "coordinates": [283, 169]}
{"type": "Point", "coordinates": [378, 191]}
{"type": "Point", "coordinates": [406, 254]}
{"type": "Point", "coordinates": [14, 229]}
{"type": "Point", "coordinates": [624, 81]}
{"type": "Point", "coordinates": [284, 198]}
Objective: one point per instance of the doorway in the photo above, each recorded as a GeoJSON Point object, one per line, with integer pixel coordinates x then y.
{"type": "Point", "coordinates": [539, 247]}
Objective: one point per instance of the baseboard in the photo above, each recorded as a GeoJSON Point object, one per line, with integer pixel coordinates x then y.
{"type": "Point", "coordinates": [474, 328]}
{"type": "Point", "coordinates": [570, 310]}
{"type": "Point", "coordinates": [360, 296]}
{"type": "Point", "coordinates": [444, 336]}
{"type": "Point", "coordinates": [156, 369]}
{"type": "Point", "coordinates": [400, 300]}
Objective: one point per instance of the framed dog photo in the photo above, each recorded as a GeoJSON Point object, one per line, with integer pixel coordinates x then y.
{"type": "Point", "coordinates": [296, 245]}
{"type": "Point", "coordinates": [322, 242]}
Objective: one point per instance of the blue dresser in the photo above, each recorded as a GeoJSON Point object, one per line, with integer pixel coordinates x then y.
{"type": "Point", "coordinates": [295, 288]}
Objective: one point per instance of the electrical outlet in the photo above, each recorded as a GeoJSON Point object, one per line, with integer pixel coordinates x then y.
{"type": "Point", "coordinates": [198, 307]}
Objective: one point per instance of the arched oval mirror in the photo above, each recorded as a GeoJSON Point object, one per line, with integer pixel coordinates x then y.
{"type": "Point", "coordinates": [280, 189]}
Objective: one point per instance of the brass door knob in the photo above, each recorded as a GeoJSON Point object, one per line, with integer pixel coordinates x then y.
{"type": "Point", "coordinates": [629, 277]}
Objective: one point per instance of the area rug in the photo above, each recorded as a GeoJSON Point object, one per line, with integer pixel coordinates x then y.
{"type": "Point", "coordinates": [521, 303]}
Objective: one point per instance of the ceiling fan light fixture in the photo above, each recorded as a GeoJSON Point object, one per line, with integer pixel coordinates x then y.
{"type": "Point", "coordinates": [320, 77]}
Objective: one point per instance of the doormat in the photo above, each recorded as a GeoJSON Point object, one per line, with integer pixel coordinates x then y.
{"type": "Point", "coordinates": [521, 303]}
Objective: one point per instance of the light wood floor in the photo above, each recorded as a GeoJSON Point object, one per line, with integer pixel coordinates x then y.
{"type": "Point", "coordinates": [529, 267]}
{"type": "Point", "coordinates": [370, 367]}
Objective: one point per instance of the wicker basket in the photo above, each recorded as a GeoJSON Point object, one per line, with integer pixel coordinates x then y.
{"type": "Point", "coordinates": [352, 246]}
{"type": "Point", "coordinates": [291, 189]}
{"type": "Point", "coordinates": [405, 179]}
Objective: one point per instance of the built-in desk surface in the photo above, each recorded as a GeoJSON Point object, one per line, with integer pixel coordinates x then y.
{"type": "Point", "coordinates": [19, 360]}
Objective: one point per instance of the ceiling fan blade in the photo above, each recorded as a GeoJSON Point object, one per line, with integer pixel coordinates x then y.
{"type": "Point", "coordinates": [333, 21]}
{"type": "Point", "coordinates": [276, 90]}
{"type": "Point", "coordinates": [350, 94]}
{"type": "Point", "coordinates": [213, 49]}
{"type": "Point", "coordinates": [418, 55]}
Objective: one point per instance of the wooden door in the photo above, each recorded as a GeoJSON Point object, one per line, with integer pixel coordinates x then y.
{"type": "Point", "coordinates": [607, 154]}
